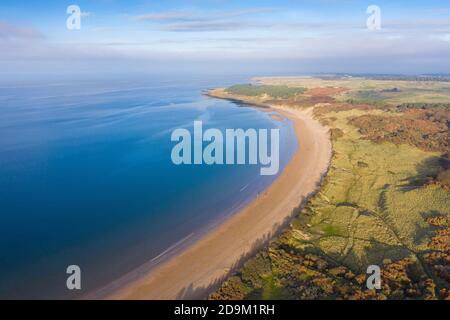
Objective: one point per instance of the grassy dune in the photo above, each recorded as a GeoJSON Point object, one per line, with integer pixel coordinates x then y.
{"type": "Point", "coordinates": [370, 210]}
{"type": "Point", "coordinates": [362, 89]}
{"type": "Point", "coordinates": [275, 92]}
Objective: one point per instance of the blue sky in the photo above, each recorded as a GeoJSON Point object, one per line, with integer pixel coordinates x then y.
{"type": "Point", "coordinates": [223, 35]}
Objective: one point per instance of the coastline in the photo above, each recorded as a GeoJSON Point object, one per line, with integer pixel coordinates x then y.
{"type": "Point", "coordinates": [200, 268]}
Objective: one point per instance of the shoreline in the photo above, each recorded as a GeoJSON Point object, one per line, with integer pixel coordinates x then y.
{"type": "Point", "coordinates": [200, 268]}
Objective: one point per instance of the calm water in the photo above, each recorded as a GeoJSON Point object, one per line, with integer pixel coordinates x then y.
{"type": "Point", "coordinates": [86, 176]}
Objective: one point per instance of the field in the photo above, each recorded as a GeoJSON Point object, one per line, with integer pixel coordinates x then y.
{"type": "Point", "coordinates": [268, 90]}
{"type": "Point", "coordinates": [363, 90]}
{"type": "Point", "coordinates": [385, 202]}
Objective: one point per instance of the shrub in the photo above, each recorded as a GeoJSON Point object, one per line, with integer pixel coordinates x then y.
{"type": "Point", "coordinates": [276, 92]}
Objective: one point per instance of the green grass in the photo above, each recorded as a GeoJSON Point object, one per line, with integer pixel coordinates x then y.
{"type": "Point", "coordinates": [276, 92]}
{"type": "Point", "coordinates": [373, 201]}
{"type": "Point", "coordinates": [398, 92]}
{"type": "Point", "coordinates": [370, 210]}
{"type": "Point", "coordinates": [365, 213]}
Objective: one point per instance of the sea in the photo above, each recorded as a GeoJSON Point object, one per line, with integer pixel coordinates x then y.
{"type": "Point", "coordinates": [86, 176]}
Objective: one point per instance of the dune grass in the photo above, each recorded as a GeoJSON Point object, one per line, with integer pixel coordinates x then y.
{"type": "Point", "coordinates": [373, 206]}
{"type": "Point", "coordinates": [367, 212]}
{"type": "Point", "coordinates": [275, 92]}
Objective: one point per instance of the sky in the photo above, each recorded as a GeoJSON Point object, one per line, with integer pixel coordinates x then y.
{"type": "Point", "coordinates": [261, 37]}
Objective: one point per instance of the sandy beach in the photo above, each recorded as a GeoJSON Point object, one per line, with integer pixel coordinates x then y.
{"type": "Point", "coordinates": [200, 268]}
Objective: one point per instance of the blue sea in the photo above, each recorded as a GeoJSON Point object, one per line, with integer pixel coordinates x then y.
{"type": "Point", "coordinates": [86, 176]}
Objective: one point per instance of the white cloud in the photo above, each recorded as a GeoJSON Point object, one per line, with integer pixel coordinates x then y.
{"type": "Point", "coordinates": [442, 37]}
{"type": "Point", "coordinates": [9, 31]}
{"type": "Point", "coordinates": [85, 14]}
{"type": "Point", "coordinates": [315, 46]}
{"type": "Point", "coordinates": [201, 21]}
{"type": "Point", "coordinates": [196, 16]}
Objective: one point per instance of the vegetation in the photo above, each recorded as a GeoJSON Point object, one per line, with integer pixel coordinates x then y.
{"type": "Point", "coordinates": [433, 78]}
{"type": "Point", "coordinates": [425, 130]}
{"type": "Point", "coordinates": [276, 92]}
{"type": "Point", "coordinates": [425, 106]}
{"type": "Point", "coordinates": [370, 102]}
{"type": "Point", "coordinates": [385, 201]}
